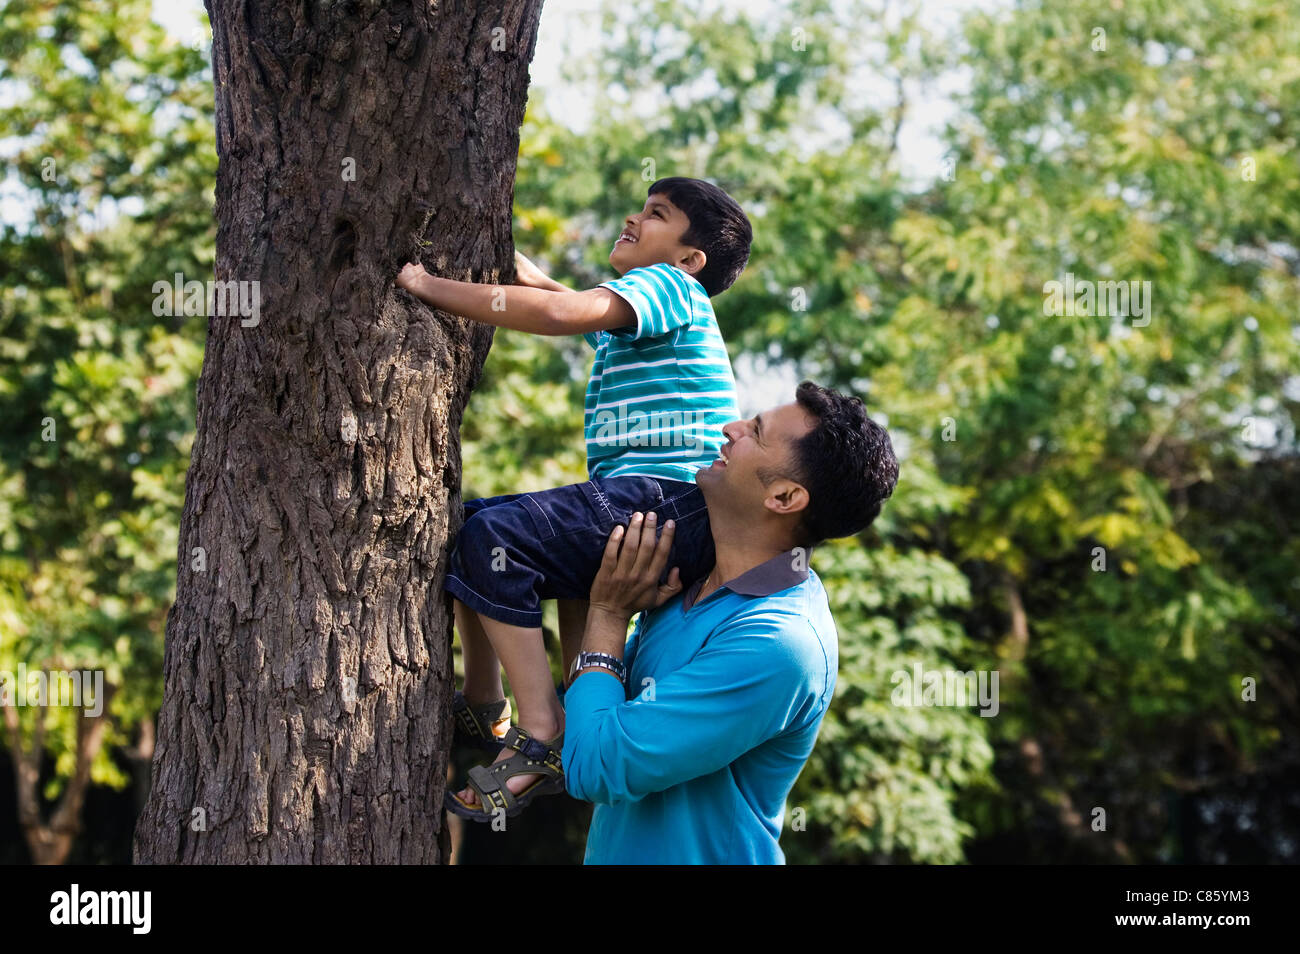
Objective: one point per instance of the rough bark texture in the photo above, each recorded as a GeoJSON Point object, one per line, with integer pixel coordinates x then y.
{"type": "Point", "coordinates": [308, 670]}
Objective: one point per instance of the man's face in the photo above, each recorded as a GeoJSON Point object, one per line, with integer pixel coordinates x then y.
{"type": "Point", "coordinates": [651, 236]}
{"type": "Point", "coordinates": [765, 441]}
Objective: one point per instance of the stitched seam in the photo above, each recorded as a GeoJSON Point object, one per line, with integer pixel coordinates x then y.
{"type": "Point", "coordinates": [510, 609]}
{"type": "Point", "coordinates": [537, 506]}
{"type": "Point", "coordinates": [690, 513]}
{"type": "Point", "coordinates": [602, 500]}
{"type": "Point", "coordinates": [672, 501]}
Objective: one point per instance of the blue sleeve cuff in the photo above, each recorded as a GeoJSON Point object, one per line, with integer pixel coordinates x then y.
{"type": "Point", "coordinates": [591, 694]}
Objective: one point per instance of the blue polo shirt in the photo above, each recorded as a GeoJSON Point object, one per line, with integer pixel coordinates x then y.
{"type": "Point", "coordinates": [693, 762]}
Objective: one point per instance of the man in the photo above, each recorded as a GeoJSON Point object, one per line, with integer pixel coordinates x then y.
{"type": "Point", "coordinates": [690, 737]}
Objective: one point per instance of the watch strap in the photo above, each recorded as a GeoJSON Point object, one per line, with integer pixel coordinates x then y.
{"type": "Point", "coordinates": [604, 661]}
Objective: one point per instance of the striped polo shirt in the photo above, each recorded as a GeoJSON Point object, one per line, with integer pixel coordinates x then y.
{"type": "Point", "coordinates": [660, 390]}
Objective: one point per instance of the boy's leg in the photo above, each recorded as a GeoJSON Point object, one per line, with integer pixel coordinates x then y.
{"type": "Point", "coordinates": [482, 667]}
{"type": "Point", "coordinates": [544, 545]}
{"type": "Point", "coordinates": [573, 623]}
{"type": "Point", "coordinates": [523, 656]}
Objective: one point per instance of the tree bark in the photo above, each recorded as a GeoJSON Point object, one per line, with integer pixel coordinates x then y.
{"type": "Point", "coordinates": [307, 669]}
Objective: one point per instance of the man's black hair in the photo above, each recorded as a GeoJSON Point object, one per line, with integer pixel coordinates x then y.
{"type": "Point", "coordinates": [846, 463]}
{"type": "Point", "coordinates": [718, 227]}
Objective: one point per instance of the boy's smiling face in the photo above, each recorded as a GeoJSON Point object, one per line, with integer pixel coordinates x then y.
{"type": "Point", "coordinates": [651, 236]}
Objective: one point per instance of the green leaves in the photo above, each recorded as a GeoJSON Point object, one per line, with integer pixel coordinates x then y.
{"type": "Point", "coordinates": [1133, 483]}
{"type": "Point", "coordinates": [96, 393]}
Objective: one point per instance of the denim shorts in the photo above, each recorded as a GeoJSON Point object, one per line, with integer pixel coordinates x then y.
{"type": "Point", "coordinates": [516, 550]}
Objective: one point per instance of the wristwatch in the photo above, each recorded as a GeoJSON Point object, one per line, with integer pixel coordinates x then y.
{"type": "Point", "coordinates": [599, 661]}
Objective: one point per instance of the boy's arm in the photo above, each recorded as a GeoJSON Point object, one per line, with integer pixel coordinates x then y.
{"type": "Point", "coordinates": [535, 310]}
{"type": "Point", "coordinates": [526, 273]}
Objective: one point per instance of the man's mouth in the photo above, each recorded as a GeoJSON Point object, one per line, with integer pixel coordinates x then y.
{"type": "Point", "coordinates": [627, 237]}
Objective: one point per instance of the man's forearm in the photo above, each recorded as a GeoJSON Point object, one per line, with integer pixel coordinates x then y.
{"type": "Point", "coordinates": [606, 632]}
{"type": "Point", "coordinates": [503, 306]}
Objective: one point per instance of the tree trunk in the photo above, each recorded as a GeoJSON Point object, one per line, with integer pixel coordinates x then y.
{"type": "Point", "coordinates": [1048, 785]}
{"type": "Point", "coordinates": [50, 842]}
{"type": "Point", "coordinates": [307, 670]}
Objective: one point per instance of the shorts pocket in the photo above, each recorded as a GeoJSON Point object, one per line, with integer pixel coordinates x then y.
{"type": "Point", "coordinates": [562, 511]}
{"type": "Point", "coordinates": [615, 499]}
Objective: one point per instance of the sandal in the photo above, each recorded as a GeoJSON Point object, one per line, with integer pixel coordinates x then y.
{"type": "Point", "coordinates": [488, 781]}
{"type": "Point", "coordinates": [482, 726]}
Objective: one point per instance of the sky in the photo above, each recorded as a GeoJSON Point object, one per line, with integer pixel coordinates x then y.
{"type": "Point", "coordinates": [920, 152]}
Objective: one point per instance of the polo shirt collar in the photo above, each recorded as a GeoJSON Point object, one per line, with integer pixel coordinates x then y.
{"type": "Point", "coordinates": [779, 573]}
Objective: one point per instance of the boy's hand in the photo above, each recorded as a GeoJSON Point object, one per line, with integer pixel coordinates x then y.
{"type": "Point", "coordinates": [410, 276]}
{"type": "Point", "coordinates": [628, 580]}
{"type": "Point", "coordinates": [526, 273]}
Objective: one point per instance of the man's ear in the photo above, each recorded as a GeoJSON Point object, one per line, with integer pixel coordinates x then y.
{"type": "Point", "coordinates": [787, 497]}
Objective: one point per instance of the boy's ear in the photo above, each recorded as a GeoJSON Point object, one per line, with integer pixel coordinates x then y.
{"type": "Point", "coordinates": [693, 263]}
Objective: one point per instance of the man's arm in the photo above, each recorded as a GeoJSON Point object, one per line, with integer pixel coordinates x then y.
{"type": "Point", "coordinates": [535, 310]}
{"type": "Point", "coordinates": [627, 582]}
{"type": "Point", "coordinates": [746, 685]}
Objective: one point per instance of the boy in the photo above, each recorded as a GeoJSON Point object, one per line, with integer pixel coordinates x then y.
{"type": "Point", "coordinates": [661, 388]}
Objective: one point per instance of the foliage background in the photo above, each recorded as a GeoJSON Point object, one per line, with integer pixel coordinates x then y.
{"type": "Point", "coordinates": [1027, 441]}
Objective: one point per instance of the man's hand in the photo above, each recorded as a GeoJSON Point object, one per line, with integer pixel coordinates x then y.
{"type": "Point", "coordinates": [410, 277]}
{"type": "Point", "coordinates": [628, 580]}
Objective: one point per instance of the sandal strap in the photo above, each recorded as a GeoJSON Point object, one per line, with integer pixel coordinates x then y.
{"type": "Point", "coordinates": [530, 757]}
{"type": "Point", "coordinates": [477, 720]}
{"type": "Point", "coordinates": [491, 790]}
{"type": "Point", "coordinates": [548, 755]}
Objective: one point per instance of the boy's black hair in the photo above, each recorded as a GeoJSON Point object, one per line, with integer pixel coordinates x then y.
{"type": "Point", "coordinates": [846, 463]}
{"type": "Point", "coordinates": [718, 227]}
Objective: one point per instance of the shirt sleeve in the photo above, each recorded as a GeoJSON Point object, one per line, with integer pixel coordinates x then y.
{"type": "Point", "coordinates": [750, 682]}
{"type": "Point", "coordinates": [661, 297]}
{"type": "Point", "coordinates": [592, 338]}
